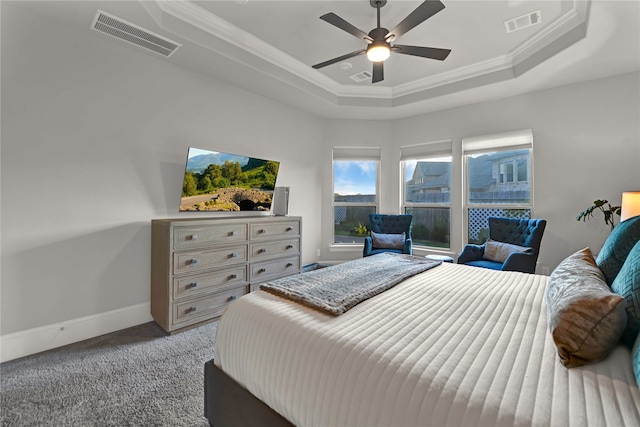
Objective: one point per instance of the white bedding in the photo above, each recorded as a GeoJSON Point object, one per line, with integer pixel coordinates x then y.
{"type": "Point", "coordinates": [455, 345]}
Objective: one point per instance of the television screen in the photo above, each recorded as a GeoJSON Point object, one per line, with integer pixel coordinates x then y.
{"type": "Point", "coordinates": [223, 182]}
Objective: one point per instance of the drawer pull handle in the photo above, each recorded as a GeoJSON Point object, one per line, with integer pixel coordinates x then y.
{"type": "Point", "coordinates": [289, 228]}
{"type": "Point", "coordinates": [193, 261]}
{"type": "Point", "coordinates": [191, 309]}
{"type": "Point", "coordinates": [262, 270]}
{"type": "Point", "coordinates": [262, 251]}
{"type": "Point", "coordinates": [233, 255]}
{"type": "Point", "coordinates": [192, 285]}
{"type": "Point", "coordinates": [192, 237]}
{"type": "Point", "coordinates": [233, 276]}
{"type": "Point", "coordinates": [233, 233]}
{"type": "Point", "coordinates": [232, 298]}
{"type": "Point", "coordinates": [289, 264]}
{"type": "Point", "coordinates": [289, 246]}
{"type": "Point", "coordinates": [262, 231]}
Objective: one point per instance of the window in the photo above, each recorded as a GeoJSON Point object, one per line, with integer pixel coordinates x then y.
{"type": "Point", "coordinates": [498, 179]}
{"type": "Point", "coordinates": [426, 192]}
{"type": "Point", "coordinates": [355, 192]}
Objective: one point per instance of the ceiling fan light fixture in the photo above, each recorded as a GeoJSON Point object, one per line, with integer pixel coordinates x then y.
{"type": "Point", "coordinates": [378, 52]}
{"type": "Point", "coordinates": [379, 39]}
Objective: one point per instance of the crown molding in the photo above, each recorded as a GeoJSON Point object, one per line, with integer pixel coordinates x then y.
{"type": "Point", "coordinates": [566, 23]}
{"type": "Point", "coordinates": [283, 66]}
{"type": "Point", "coordinates": [200, 18]}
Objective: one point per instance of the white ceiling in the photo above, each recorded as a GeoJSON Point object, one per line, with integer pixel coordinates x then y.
{"type": "Point", "coordinates": [294, 28]}
{"type": "Point", "coordinates": [268, 47]}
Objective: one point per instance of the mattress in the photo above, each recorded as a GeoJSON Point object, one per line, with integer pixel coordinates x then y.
{"type": "Point", "coordinates": [455, 345]}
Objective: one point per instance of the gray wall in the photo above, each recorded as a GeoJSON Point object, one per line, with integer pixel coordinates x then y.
{"type": "Point", "coordinates": [586, 147]}
{"type": "Point", "coordinates": [94, 142]}
{"type": "Point", "coordinates": [94, 139]}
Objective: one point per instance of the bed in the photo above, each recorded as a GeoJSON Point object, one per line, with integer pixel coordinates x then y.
{"type": "Point", "coordinates": [452, 346]}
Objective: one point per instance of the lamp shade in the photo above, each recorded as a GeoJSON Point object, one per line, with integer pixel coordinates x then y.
{"type": "Point", "coordinates": [378, 52]}
{"type": "Point", "coordinates": [630, 205]}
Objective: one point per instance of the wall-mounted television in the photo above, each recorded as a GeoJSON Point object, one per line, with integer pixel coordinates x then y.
{"type": "Point", "coordinates": [222, 182]}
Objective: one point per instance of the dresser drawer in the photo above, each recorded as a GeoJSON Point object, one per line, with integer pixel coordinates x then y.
{"type": "Point", "coordinates": [268, 250]}
{"type": "Point", "coordinates": [196, 284]}
{"type": "Point", "coordinates": [193, 237]}
{"type": "Point", "coordinates": [199, 265]}
{"type": "Point", "coordinates": [274, 230]}
{"type": "Point", "coordinates": [206, 307]}
{"type": "Point", "coordinates": [184, 262]}
{"type": "Point", "coordinates": [261, 271]}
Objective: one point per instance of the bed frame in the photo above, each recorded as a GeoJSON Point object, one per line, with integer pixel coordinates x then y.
{"type": "Point", "coordinates": [227, 403]}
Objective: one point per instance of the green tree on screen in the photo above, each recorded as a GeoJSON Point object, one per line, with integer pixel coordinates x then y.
{"type": "Point", "coordinates": [189, 186]}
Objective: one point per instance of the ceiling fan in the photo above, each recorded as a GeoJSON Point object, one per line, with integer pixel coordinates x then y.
{"type": "Point", "coordinates": [379, 39]}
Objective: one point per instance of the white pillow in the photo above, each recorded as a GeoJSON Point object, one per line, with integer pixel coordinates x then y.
{"type": "Point", "coordinates": [499, 251]}
{"type": "Point", "coordinates": [387, 241]}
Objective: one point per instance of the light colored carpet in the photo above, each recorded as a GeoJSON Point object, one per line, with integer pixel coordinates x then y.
{"type": "Point", "coordinates": [135, 377]}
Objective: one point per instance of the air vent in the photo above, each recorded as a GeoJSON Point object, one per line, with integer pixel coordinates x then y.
{"type": "Point", "coordinates": [360, 77]}
{"type": "Point", "coordinates": [131, 33]}
{"type": "Point", "coordinates": [523, 21]}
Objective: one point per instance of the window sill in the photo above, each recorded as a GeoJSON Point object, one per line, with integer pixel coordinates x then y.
{"type": "Point", "coordinates": [345, 248]}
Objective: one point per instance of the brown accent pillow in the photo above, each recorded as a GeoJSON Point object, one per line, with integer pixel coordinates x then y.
{"type": "Point", "coordinates": [585, 318]}
{"type": "Point", "coordinates": [387, 241]}
{"type": "Point", "coordinates": [500, 251]}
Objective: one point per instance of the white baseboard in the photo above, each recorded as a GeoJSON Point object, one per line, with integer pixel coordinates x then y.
{"type": "Point", "coordinates": [31, 341]}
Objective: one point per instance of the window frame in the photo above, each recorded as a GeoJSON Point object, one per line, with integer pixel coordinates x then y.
{"type": "Point", "coordinates": [500, 142]}
{"type": "Point", "coordinates": [424, 151]}
{"type": "Point", "coordinates": [353, 154]}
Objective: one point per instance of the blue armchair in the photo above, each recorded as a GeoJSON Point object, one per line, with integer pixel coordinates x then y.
{"type": "Point", "coordinates": [525, 233]}
{"type": "Point", "coordinates": [389, 224]}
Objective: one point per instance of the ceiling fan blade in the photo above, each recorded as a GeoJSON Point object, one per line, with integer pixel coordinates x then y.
{"type": "Point", "coordinates": [378, 72]}
{"type": "Point", "coordinates": [334, 19]}
{"type": "Point", "coordinates": [424, 52]}
{"type": "Point", "coordinates": [339, 58]}
{"type": "Point", "coordinates": [423, 12]}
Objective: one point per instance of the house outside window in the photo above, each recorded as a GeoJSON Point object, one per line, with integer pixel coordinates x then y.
{"type": "Point", "coordinates": [356, 180]}
{"type": "Point", "coordinates": [426, 192]}
{"type": "Point", "coordinates": [498, 179]}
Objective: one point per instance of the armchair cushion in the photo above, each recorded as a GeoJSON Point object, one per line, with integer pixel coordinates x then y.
{"type": "Point", "coordinates": [387, 241]}
{"type": "Point", "coordinates": [471, 253]}
{"type": "Point", "coordinates": [493, 265]}
{"type": "Point", "coordinates": [499, 251]}
{"type": "Point", "coordinates": [524, 262]}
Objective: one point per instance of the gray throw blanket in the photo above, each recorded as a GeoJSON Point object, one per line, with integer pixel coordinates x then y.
{"type": "Point", "coordinates": [336, 289]}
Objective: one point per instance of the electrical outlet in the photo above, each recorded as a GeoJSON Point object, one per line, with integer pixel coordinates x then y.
{"type": "Point", "coordinates": [318, 253]}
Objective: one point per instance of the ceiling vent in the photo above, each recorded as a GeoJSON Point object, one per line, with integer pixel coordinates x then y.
{"type": "Point", "coordinates": [523, 21]}
{"type": "Point", "coordinates": [131, 33]}
{"type": "Point", "coordinates": [360, 77]}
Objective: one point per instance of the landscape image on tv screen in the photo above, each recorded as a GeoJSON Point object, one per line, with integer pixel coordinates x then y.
{"type": "Point", "coordinates": [222, 182]}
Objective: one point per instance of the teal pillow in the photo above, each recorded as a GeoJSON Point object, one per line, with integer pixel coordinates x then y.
{"type": "Point", "coordinates": [627, 285]}
{"type": "Point", "coordinates": [635, 359]}
{"type": "Point", "coordinates": [617, 247]}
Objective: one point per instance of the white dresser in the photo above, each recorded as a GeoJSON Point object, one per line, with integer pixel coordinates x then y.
{"type": "Point", "coordinates": [201, 265]}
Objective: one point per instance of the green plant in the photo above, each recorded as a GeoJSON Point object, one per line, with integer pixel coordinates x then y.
{"type": "Point", "coordinates": [360, 229]}
{"type": "Point", "coordinates": [606, 208]}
